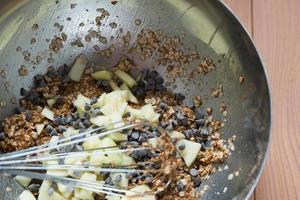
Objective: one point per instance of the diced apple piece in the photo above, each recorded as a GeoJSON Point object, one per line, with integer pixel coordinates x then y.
{"type": "Point", "coordinates": [22, 180]}
{"type": "Point", "coordinates": [153, 142]}
{"type": "Point", "coordinates": [92, 143]}
{"type": "Point", "coordinates": [148, 112]}
{"type": "Point", "coordinates": [176, 135]}
{"type": "Point", "coordinates": [109, 108]}
{"type": "Point", "coordinates": [123, 108]}
{"type": "Point", "coordinates": [111, 197]}
{"type": "Point", "coordinates": [57, 196]}
{"type": "Point", "coordinates": [83, 156]}
{"type": "Point", "coordinates": [70, 131]}
{"type": "Point", "coordinates": [118, 96]}
{"type": "Point", "coordinates": [113, 85]}
{"type": "Point", "coordinates": [98, 158]}
{"type": "Point", "coordinates": [43, 191]}
{"type": "Point", "coordinates": [127, 160]}
{"type": "Point", "coordinates": [39, 128]}
{"type": "Point", "coordinates": [116, 120]}
{"type": "Point", "coordinates": [51, 102]}
{"type": "Point", "coordinates": [72, 170]}
{"type": "Point", "coordinates": [48, 113]}
{"type": "Point", "coordinates": [135, 112]}
{"type": "Point", "coordinates": [126, 78]}
{"type": "Point", "coordinates": [102, 75]}
{"type": "Point", "coordinates": [60, 173]}
{"type": "Point", "coordinates": [78, 67]}
{"type": "Point", "coordinates": [100, 120]}
{"type": "Point", "coordinates": [131, 97]}
{"type": "Point", "coordinates": [100, 101]}
{"type": "Point", "coordinates": [190, 151]}
{"type": "Point", "coordinates": [80, 102]}
{"type": "Point", "coordinates": [115, 158]}
{"type": "Point", "coordinates": [83, 194]}
{"type": "Point", "coordinates": [88, 177]}
{"type": "Point", "coordinates": [63, 189]}
{"type": "Point", "coordinates": [118, 137]}
{"type": "Point", "coordinates": [141, 189]}
{"type": "Point", "coordinates": [26, 195]}
{"type": "Point", "coordinates": [123, 182]}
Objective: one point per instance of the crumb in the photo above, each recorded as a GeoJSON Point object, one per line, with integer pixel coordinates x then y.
{"type": "Point", "coordinates": [35, 27]}
{"type": "Point", "coordinates": [32, 41]}
{"type": "Point", "coordinates": [138, 22]}
{"type": "Point", "coordinates": [241, 79]}
{"type": "Point", "coordinates": [23, 71]}
{"type": "Point", "coordinates": [8, 189]}
{"type": "Point", "coordinates": [3, 72]}
{"type": "Point", "coordinates": [230, 177]}
{"type": "Point", "coordinates": [73, 5]}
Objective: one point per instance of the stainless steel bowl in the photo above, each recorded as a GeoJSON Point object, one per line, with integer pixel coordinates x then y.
{"type": "Point", "coordinates": [206, 23]}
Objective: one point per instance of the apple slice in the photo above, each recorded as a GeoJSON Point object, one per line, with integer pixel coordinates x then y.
{"type": "Point", "coordinates": [100, 101]}
{"type": "Point", "coordinates": [80, 102]}
{"type": "Point", "coordinates": [102, 75]}
{"type": "Point", "coordinates": [63, 189]}
{"type": "Point", "coordinates": [46, 112]}
{"type": "Point", "coordinates": [122, 182]}
{"type": "Point", "coordinates": [39, 128]}
{"type": "Point", "coordinates": [43, 191]}
{"type": "Point", "coordinates": [22, 180]}
{"type": "Point", "coordinates": [176, 135]}
{"type": "Point", "coordinates": [118, 137]}
{"type": "Point", "coordinates": [92, 143]}
{"type": "Point", "coordinates": [78, 67]}
{"type": "Point", "coordinates": [131, 97]}
{"type": "Point", "coordinates": [26, 195]}
{"type": "Point", "coordinates": [100, 120]}
{"type": "Point", "coordinates": [70, 131]}
{"type": "Point", "coordinates": [190, 151]}
{"type": "Point", "coordinates": [126, 78]}
{"type": "Point", "coordinates": [131, 195]}
{"type": "Point", "coordinates": [83, 194]}
{"type": "Point", "coordinates": [51, 102]}
{"type": "Point", "coordinates": [113, 85]}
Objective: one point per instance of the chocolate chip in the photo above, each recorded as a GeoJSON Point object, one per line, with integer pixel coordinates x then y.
{"type": "Point", "coordinates": [53, 133]}
{"type": "Point", "coordinates": [24, 92]}
{"type": "Point", "coordinates": [69, 119]}
{"type": "Point", "coordinates": [108, 181]}
{"type": "Point", "coordinates": [187, 133]}
{"type": "Point", "coordinates": [163, 105]}
{"type": "Point", "coordinates": [204, 133]}
{"type": "Point", "coordinates": [181, 147]}
{"type": "Point", "coordinates": [118, 178]}
{"type": "Point", "coordinates": [159, 80]}
{"type": "Point", "coordinates": [140, 92]}
{"type": "Point", "coordinates": [135, 135]}
{"type": "Point", "coordinates": [86, 116]}
{"type": "Point", "coordinates": [63, 120]}
{"type": "Point", "coordinates": [179, 98]}
{"type": "Point", "coordinates": [143, 138]}
{"type": "Point", "coordinates": [93, 100]}
{"type": "Point", "coordinates": [197, 181]}
{"type": "Point", "coordinates": [153, 74]}
{"type": "Point", "coordinates": [194, 172]}
{"type": "Point", "coordinates": [28, 115]}
{"type": "Point", "coordinates": [59, 101]}
{"type": "Point", "coordinates": [87, 123]}
{"type": "Point", "coordinates": [81, 125]}
{"type": "Point", "coordinates": [200, 123]}
{"type": "Point", "coordinates": [20, 110]}
{"type": "Point", "coordinates": [180, 186]}
{"type": "Point", "coordinates": [87, 107]}
{"type": "Point", "coordinates": [61, 128]}
{"type": "Point", "coordinates": [50, 191]}
{"type": "Point", "coordinates": [49, 128]}
{"type": "Point", "coordinates": [151, 81]}
{"type": "Point", "coordinates": [2, 136]}
{"type": "Point", "coordinates": [199, 114]}
{"type": "Point", "coordinates": [57, 120]}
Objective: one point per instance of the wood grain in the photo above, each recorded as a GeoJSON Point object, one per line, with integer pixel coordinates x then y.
{"type": "Point", "coordinates": [275, 27]}
{"type": "Point", "coordinates": [277, 33]}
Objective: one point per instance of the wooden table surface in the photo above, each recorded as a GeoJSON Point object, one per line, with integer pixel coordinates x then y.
{"type": "Point", "coordinates": [275, 28]}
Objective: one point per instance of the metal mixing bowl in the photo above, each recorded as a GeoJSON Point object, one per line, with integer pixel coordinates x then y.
{"type": "Point", "coordinates": [206, 23]}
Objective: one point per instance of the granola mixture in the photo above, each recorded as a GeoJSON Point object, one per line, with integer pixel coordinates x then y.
{"type": "Point", "coordinates": [195, 123]}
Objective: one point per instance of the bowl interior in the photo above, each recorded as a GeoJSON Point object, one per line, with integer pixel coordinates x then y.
{"type": "Point", "coordinates": [207, 26]}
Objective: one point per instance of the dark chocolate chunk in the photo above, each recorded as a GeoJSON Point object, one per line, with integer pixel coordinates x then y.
{"type": "Point", "coordinates": [2, 136]}
{"type": "Point", "coordinates": [28, 115]}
